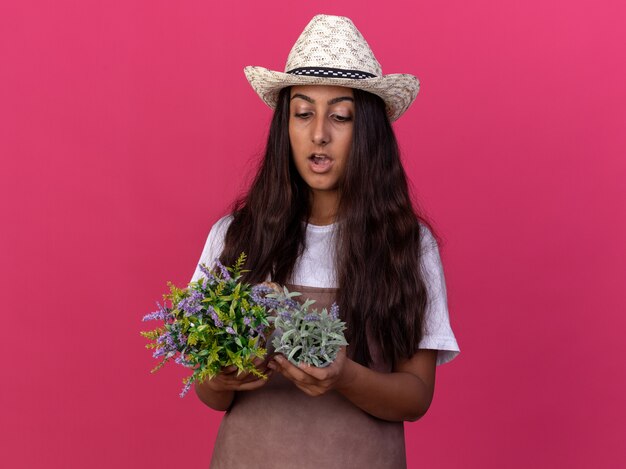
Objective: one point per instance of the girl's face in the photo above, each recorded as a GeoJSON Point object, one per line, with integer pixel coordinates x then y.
{"type": "Point", "coordinates": [321, 119]}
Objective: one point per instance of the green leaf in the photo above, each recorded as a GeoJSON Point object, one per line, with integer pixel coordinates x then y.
{"type": "Point", "coordinates": [293, 352]}
{"type": "Point", "coordinates": [192, 339]}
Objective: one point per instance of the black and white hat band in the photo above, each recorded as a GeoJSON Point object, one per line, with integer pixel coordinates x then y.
{"type": "Point", "coordinates": [331, 73]}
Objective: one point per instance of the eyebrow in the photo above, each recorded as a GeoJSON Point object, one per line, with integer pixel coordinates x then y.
{"type": "Point", "coordinates": [332, 101]}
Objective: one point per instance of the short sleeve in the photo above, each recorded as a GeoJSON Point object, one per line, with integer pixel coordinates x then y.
{"type": "Point", "coordinates": [213, 246]}
{"type": "Point", "coordinates": [438, 333]}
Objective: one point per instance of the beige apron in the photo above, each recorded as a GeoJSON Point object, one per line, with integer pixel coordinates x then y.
{"type": "Point", "coordinates": [280, 427]}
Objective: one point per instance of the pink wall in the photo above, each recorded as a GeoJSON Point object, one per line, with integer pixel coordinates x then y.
{"type": "Point", "coordinates": [126, 128]}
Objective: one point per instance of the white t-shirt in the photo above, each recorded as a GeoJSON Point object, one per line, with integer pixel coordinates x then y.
{"type": "Point", "coordinates": [315, 268]}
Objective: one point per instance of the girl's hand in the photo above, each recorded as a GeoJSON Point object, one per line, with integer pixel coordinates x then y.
{"type": "Point", "coordinates": [312, 380]}
{"type": "Point", "coordinates": [228, 380]}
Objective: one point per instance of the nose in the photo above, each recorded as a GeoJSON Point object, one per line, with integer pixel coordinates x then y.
{"type": "Point", "coordinates": [321, 131]}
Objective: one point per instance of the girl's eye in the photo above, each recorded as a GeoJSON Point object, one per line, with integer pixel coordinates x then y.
{"type": "Point", "coordinates": [303, 115]}
{"type": "Point", "coordinates": [342, 118]}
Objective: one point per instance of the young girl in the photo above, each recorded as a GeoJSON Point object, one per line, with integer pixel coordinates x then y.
{"type": "Point", "coordinates": [329, 215]}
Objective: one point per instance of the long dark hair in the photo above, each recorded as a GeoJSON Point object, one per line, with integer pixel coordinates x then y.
{"type": "Point", "coordinates": [382, 293]}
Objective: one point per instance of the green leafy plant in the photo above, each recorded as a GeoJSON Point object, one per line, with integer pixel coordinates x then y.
{"type": "Point", "coordinates": [217, 321]}
{"type": "Point", "coordinates": [305, 336]}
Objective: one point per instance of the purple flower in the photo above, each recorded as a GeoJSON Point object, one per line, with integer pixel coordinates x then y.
{"type": "Point", "coordinates": [161, 313]}
{"type": "Point", "coordinates": [167, 342]}
{"type": "Point", "coordinates": [230, 330]}
{"type": "Point", "coordinates": [186, 388]}
{"type": "Point", "coordinates": [258, 296]}
{"type": "Point", "coordinates": [259, 331]}
{"type": "Point", "coordinates": [215, 317]}
{"type": "Point", "coordinates": [269, 303]}
{"type": "Point", "coordinates": [223, 270]}
{"type": "Point", "coordinates": [282, 302]}
{"type": "Point", "coordinates": [334, 311]}
{"type": "Point", "coordinates": [182, 361]}
{"type": "Point", "coordinates": [311, 317]}
{"type": "Point", "coordinates": [166, 346]}
{"type": "Point", "coordinates": [203, 268]}
{"type": "Point", "coordinates": [261, 289]}
{"type": "Point", "coordinates": [192, 304]}
{"type": "Point", "coordinates": [247, 320]}
{"type": "Point", "coordinates": [285, 315]}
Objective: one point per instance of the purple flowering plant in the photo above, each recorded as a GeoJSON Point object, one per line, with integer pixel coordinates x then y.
{"type": "Point", "coordinates": [217, 321]}
{"type": "Point", "coordinates": [305, 336]}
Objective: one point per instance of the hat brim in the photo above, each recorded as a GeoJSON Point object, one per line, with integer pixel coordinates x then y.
{"type": "Point", "coordinates": [397, 90]}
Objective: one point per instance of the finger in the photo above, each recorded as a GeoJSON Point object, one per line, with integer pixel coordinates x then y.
{"type": "Point", "coordinates": [229, 370]}
{"type": "Point", "coordinates": [233, 371]}
{"type": "Point", "coordinates": [264, 369]}
{"type": "Point", "coordinates": [256, 384]}
{"type": "Point", "coordinates": [328, 372]}
{"type": "Point", "coordinates": [243, 378]}
{"type": "Point", "coordinates": [236, 375]}
{"type": "Point", "coordinates": [257, 361]}
{"type": "Point", "coordinates": [246, 386]}
{"type": "Point", "coordinates": [319, 374]}
{"type": "Point", "coordinates": [269, 357]}
{"type": "Point", "coordinates": [291, 371]}
{"type": "Point", "coordinates": [236, 381]}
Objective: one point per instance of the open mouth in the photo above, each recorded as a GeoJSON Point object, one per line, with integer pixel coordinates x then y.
{"type": "Point", "coordinates": [320, 163]}
{"type": "Point", "coordinates": [319, 160]}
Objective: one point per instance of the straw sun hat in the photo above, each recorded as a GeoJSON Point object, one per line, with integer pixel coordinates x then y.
{"type": "Point", "coordinates": [331, 51]}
